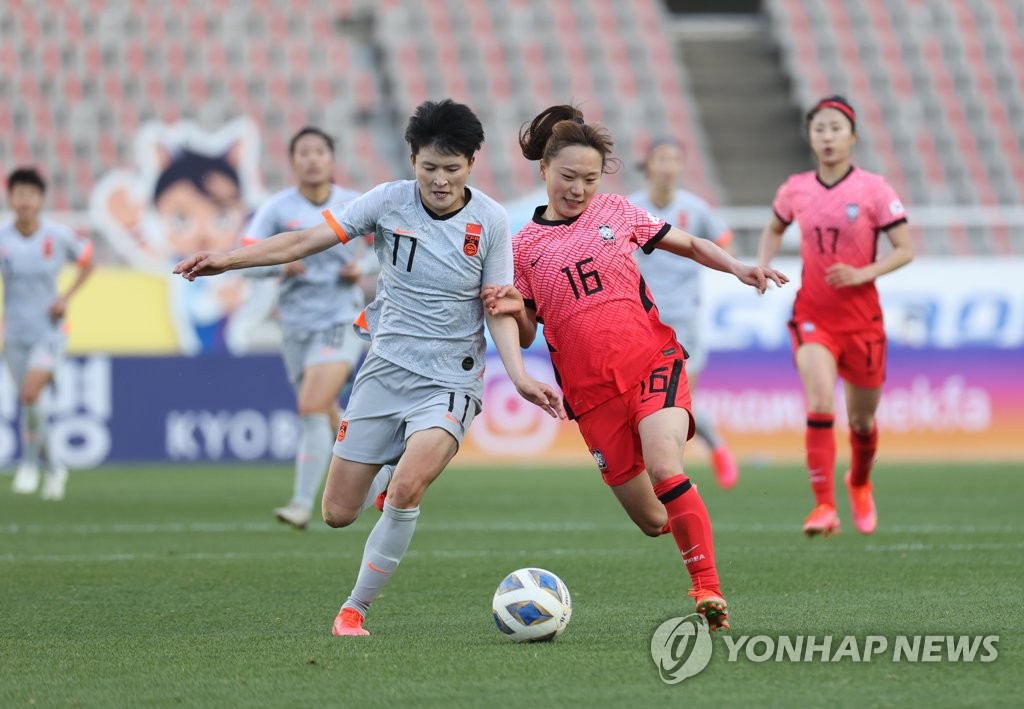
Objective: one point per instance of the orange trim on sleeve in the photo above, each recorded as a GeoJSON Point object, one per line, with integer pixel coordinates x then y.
{"type": "Point", "coordinates": [86, 256]}
{"type": "Point", "coordinates": [725, 238]}
{"type": "Point", "coordinates": [249, 240]}
{"type": "Point", "coordinates": [333, 223]}
{"type": "Point", "coordinates": [361, 320]}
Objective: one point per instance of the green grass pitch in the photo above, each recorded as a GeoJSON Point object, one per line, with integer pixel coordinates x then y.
{"type": "Point", "coordinates": [173, 586]}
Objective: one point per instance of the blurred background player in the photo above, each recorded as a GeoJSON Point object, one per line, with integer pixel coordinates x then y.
{"type": "Point", "coordinates": [32, 252]}
{"type": "Point", "coordinates": [837, 328]}
{"type": "Point", "coordinates": [675, 283]}
{"type": "Point", "coordinates": [621, 369]}
{"type": "Point", "coordinates": [438, 242]}
{"type": "Point", "coordinates": [320, 298]}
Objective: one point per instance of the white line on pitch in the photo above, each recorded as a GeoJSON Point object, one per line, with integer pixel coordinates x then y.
{"type": "Point", "coordinates": [428, 527]}
{"type": "Point", "coordinates": [345, 555]}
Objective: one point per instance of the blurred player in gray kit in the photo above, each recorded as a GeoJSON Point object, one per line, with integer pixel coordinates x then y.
{"type": "Point", "coordinates": [675, 282]}
{"type": "Point", "coordinates": [33, 250]}
{"type": "Point", "coordinates": [319, 299]}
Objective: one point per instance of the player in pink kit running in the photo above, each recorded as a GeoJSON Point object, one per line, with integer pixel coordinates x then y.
{"type": "Point", "coordinates": [837, 328]}
{"type": "Point", "coordinates": [621, 369]}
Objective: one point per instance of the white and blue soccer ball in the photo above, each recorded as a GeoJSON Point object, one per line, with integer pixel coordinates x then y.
{"type": "Point", "coordinates": [531, 605]}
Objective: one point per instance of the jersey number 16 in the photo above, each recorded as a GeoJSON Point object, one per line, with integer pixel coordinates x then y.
{"type": "Point", "coordinates": [589, 281]}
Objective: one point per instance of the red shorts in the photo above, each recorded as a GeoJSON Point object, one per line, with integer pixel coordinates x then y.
{"type": "Point", "coordinates": [611, 429]}
{"type": "Point", "coordinates": [859, 354]}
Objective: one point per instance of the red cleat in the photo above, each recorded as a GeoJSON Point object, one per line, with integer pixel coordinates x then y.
{"type": "Point", "coordinates": [379, 502]}
{"type": "Point", "coordinates": [712, 606]}
{"type": "Point", "coordinates": [349, 622]}
{"type": "Point", "coordinates": [862, 502]}
{"type": "Point", "coordinates": [822, 520]}
{"type": "Point", "coordinates": [727, 473]}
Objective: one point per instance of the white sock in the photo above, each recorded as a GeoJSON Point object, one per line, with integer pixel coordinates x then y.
{"type": "Point", "coordinates": [380, 483]}
{"type": "Point", "coordinates": [314, 455]}
{"type": "Point", "coordinates": [33, 433]}
{"type": "Point", "coordinates": [388, 541]}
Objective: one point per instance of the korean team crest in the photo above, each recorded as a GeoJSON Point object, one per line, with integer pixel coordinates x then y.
{"type": "Point", "coordinates": [471, 245]}
{"type": "Point", "coordinates": [47, 247]}
{"type": "Point", "coordinates": [852, 210]}
{"type": "Point", "coordinates": [606, 232]}
{"type": "Point", "coordinates": [599, 457]}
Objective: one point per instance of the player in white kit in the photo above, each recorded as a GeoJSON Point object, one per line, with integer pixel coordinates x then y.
{"type": "Point", "coordinates": [319, 299]}
{"type": "Point", "coordinates": [438, 242]}
{"type": "Point", "coordinates": [32, 252]}
{"type": "Point", "coordinates": [675, 283]}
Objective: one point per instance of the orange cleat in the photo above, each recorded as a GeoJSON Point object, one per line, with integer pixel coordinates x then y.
{"type": "Point", "coordinates": [712, 606]}
{"type": "Point", "coordinates": [862, 502]}
{"type": "Point", "coordinates": [727, 473]}
{"type": "Point", "coordinates": [822, 520]}
{"type": "Point", "coordinates": [349, 622]}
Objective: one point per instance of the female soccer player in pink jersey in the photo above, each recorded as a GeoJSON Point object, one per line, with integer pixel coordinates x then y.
{"type": "Point", "coordinates": [837, 328]}
{"type": "Point", "coordinates": [621, 369]}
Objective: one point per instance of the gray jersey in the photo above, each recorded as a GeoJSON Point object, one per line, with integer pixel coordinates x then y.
{"type": "Point", "coordinates": [675, 282]}
{"type": "Point", "coordinates": [319, 298]}
{"type": "Point", "coordinates": [427, 316]}
{"type": "Point", "coordinates": [30, 266]}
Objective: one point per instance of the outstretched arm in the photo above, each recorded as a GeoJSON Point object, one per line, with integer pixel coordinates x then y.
{"type": "Point", "coordinates": [281, 248]}
{"type": "Point", "coordinates": [707, 253]}
{"type": "Point", "coordinates": [503, 332]}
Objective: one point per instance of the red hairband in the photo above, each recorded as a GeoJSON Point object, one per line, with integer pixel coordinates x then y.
{"type": "Point", "coordinates": [841, 107]}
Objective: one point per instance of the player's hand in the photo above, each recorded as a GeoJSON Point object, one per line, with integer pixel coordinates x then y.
{"type": "Point", "coordinates": [58, 308]}
{"type": "Point", "coordinates": [203, 263]}
{"type": "Point", "coordinates": [758, 277]}
{"type": "Point", "coordinates": [842, 275]}
{"type": "Point", "coordinates": [542, 395]}
{"type": "Point", "coordinates": [295, 268]}
{"type": "Point", "coordinates": [351, 272]}
{"type": "Point", "coordinates": [502, 300]}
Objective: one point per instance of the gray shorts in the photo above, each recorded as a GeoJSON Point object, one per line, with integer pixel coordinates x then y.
{"type": "Point", "coordinates": [689, 335]}
{"type": "Point", "coordinates": [390, 403]}
{"type": "Point", "coordinates": [338, 343]}
{"type": "Point", "coordinates": [43, 354]}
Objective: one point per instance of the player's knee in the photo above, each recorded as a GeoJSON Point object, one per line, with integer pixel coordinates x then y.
{"type": "Point", "coordinates": [651, 528]}
{"type": "Point", "coordinates": [405, 494]}
{"type": "Point", "coordinates": [862, 423]}
{"type": "Point", "coordinates": [29, 397]}
{"type": "Point", "coordinates": [336, 517]}
{"type": "Point", "coordinates": [664, 471]}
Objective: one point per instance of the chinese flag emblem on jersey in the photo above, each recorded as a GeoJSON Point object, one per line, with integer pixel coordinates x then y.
{"type": "Point", "coordinates": [342, 430]}
{"type": "Point", "coordinates": [47, 247]}
{"type": "Point", "coordinates": [471, 245]}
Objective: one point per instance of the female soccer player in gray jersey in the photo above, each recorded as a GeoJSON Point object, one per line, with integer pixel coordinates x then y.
{"type": "Point", "coordinates": [438, 241]}
{"type": "Point", "coordinates": [32, 252]}
{"type": "Point", "coordinates": [675, 283]}
{"type": "Point", "coordinates": [319, 299]}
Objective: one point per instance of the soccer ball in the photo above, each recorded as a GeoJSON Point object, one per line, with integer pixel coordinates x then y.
{"type": "Point", "coordinates": [531, 605]}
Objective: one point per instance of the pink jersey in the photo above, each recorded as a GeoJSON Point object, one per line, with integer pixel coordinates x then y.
{"type": "Point", "coordinates": [838, 224]}
{"type": "Point", "coordinates": [600, 322]}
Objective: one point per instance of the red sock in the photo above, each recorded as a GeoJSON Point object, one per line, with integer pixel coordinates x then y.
{"type": "Point", "coordinates": [821, 457]}
{"type": "Point", "coordinates": [691, 529]}
{"type": "Point", "coordinates": [863, 447]}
